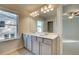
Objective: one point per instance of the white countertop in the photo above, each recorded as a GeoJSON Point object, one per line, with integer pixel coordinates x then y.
{"type": "Point", "coordinates": [45, 35]}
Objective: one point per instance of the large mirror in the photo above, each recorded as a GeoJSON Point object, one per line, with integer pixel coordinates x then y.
{"type": "Point", "coordinates": [45, 22]}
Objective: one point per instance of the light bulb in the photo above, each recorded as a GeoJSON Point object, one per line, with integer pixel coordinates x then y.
{"type": "Point", "coordinates": [44, 11]}
{"type": "Point", "coordinates": [35, 12]}
{"type": "Point", "coordinates": [49, 6]}
{"type": "Point", "coordinates": [70, 17]}
{"type": "Point", "coordinates": [52, 9]}
{"type": "Point", "coordinates": [45, 7]}
{"type": "Point", "coordinates": [47, 10]}
{"type": "Point", "coordinates": [41, 9]}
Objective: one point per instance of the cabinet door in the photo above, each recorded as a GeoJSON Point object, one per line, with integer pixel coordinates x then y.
{"type": "Point", "coordinates": [35, 47]}
{"type": "Point", "coordinates": [28, 43]}
{"type": "Point", "coordinates": [45, 49]}
{"type": "Point", "coordinates": [25, 40]}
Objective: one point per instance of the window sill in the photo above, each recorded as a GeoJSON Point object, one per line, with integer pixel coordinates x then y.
{"type": "Point", "coordinates": [5, 40]}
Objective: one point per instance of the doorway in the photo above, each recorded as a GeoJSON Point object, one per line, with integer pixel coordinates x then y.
{"type": "Point", "coordinates": [50, 26]}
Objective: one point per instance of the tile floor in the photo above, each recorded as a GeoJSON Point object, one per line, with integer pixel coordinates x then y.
{"type": "Point", "coordinates": [21, 52]}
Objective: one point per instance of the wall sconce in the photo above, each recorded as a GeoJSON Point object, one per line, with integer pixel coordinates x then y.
{"type": "Point", "coordinates": [71, 16]}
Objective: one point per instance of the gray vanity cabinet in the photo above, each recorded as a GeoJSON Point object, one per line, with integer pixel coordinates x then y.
{"type": "Point", "coordinates": [41, 45]}
{"type": "Point", "coordinates": [29, 42]}
{"type": "Point", "coordinates": [45, 47]}
{"type": "Point", "coordinates": [35, 45]}
{"type": "Point", "coordinates": [24, 39]}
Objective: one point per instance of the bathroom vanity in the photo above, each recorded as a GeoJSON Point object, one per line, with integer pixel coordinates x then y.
{"type": "Point", "coordinates": [42, 43]}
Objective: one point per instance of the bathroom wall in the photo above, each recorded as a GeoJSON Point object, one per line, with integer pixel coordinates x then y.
{"type": "Point", "coordinates": [10, 46]}
{"type": "Point", "coordinates": [28, 25]}
{"type": "Point", "coordinates": [71, 28]}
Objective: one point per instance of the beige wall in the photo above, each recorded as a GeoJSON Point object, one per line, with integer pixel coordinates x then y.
{"type": "Point", "coordinates": [28, 25]}
{"type": "Point", "coordinates": [10, 46]}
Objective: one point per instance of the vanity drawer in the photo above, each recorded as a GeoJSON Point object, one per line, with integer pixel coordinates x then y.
{"type": "Point", "coordinates": [39, 39]}
{"type": "Point", "coordinates": [33, 38]}
{"type": "Point", "coordinates": [47, 41]}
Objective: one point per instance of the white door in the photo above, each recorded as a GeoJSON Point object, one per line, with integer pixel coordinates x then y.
{"type": "Point", "coordinates": [35, 45]}
{"type": "Point", "coordinates": [45, 49]}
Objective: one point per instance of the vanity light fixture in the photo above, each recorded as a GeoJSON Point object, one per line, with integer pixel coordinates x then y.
{"type": "Point", "coordinates": [44, 9]}
{"type": "Point", "coordinates": [48, 8]}
{"type": "Point", "coordinates": [35, 13]}
{"type": "Point", "coordinates": [72, 14]}
{"type": "Point", "coordinates": [69, 15]}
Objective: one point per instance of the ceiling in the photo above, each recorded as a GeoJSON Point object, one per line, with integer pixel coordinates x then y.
{"type": "Point", "coordinates": [22, 9]}
{"type": "Point", "coordinates": [25, 9]}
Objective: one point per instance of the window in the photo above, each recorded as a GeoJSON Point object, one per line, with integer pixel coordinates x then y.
{"type": "Point", "coordinates": [8, 25]}
{"type": "Point", "coordinates": [39, 26]}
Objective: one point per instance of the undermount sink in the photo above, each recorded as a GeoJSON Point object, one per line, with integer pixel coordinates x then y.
{"type": "Point", "coordinates": [42, 34]}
